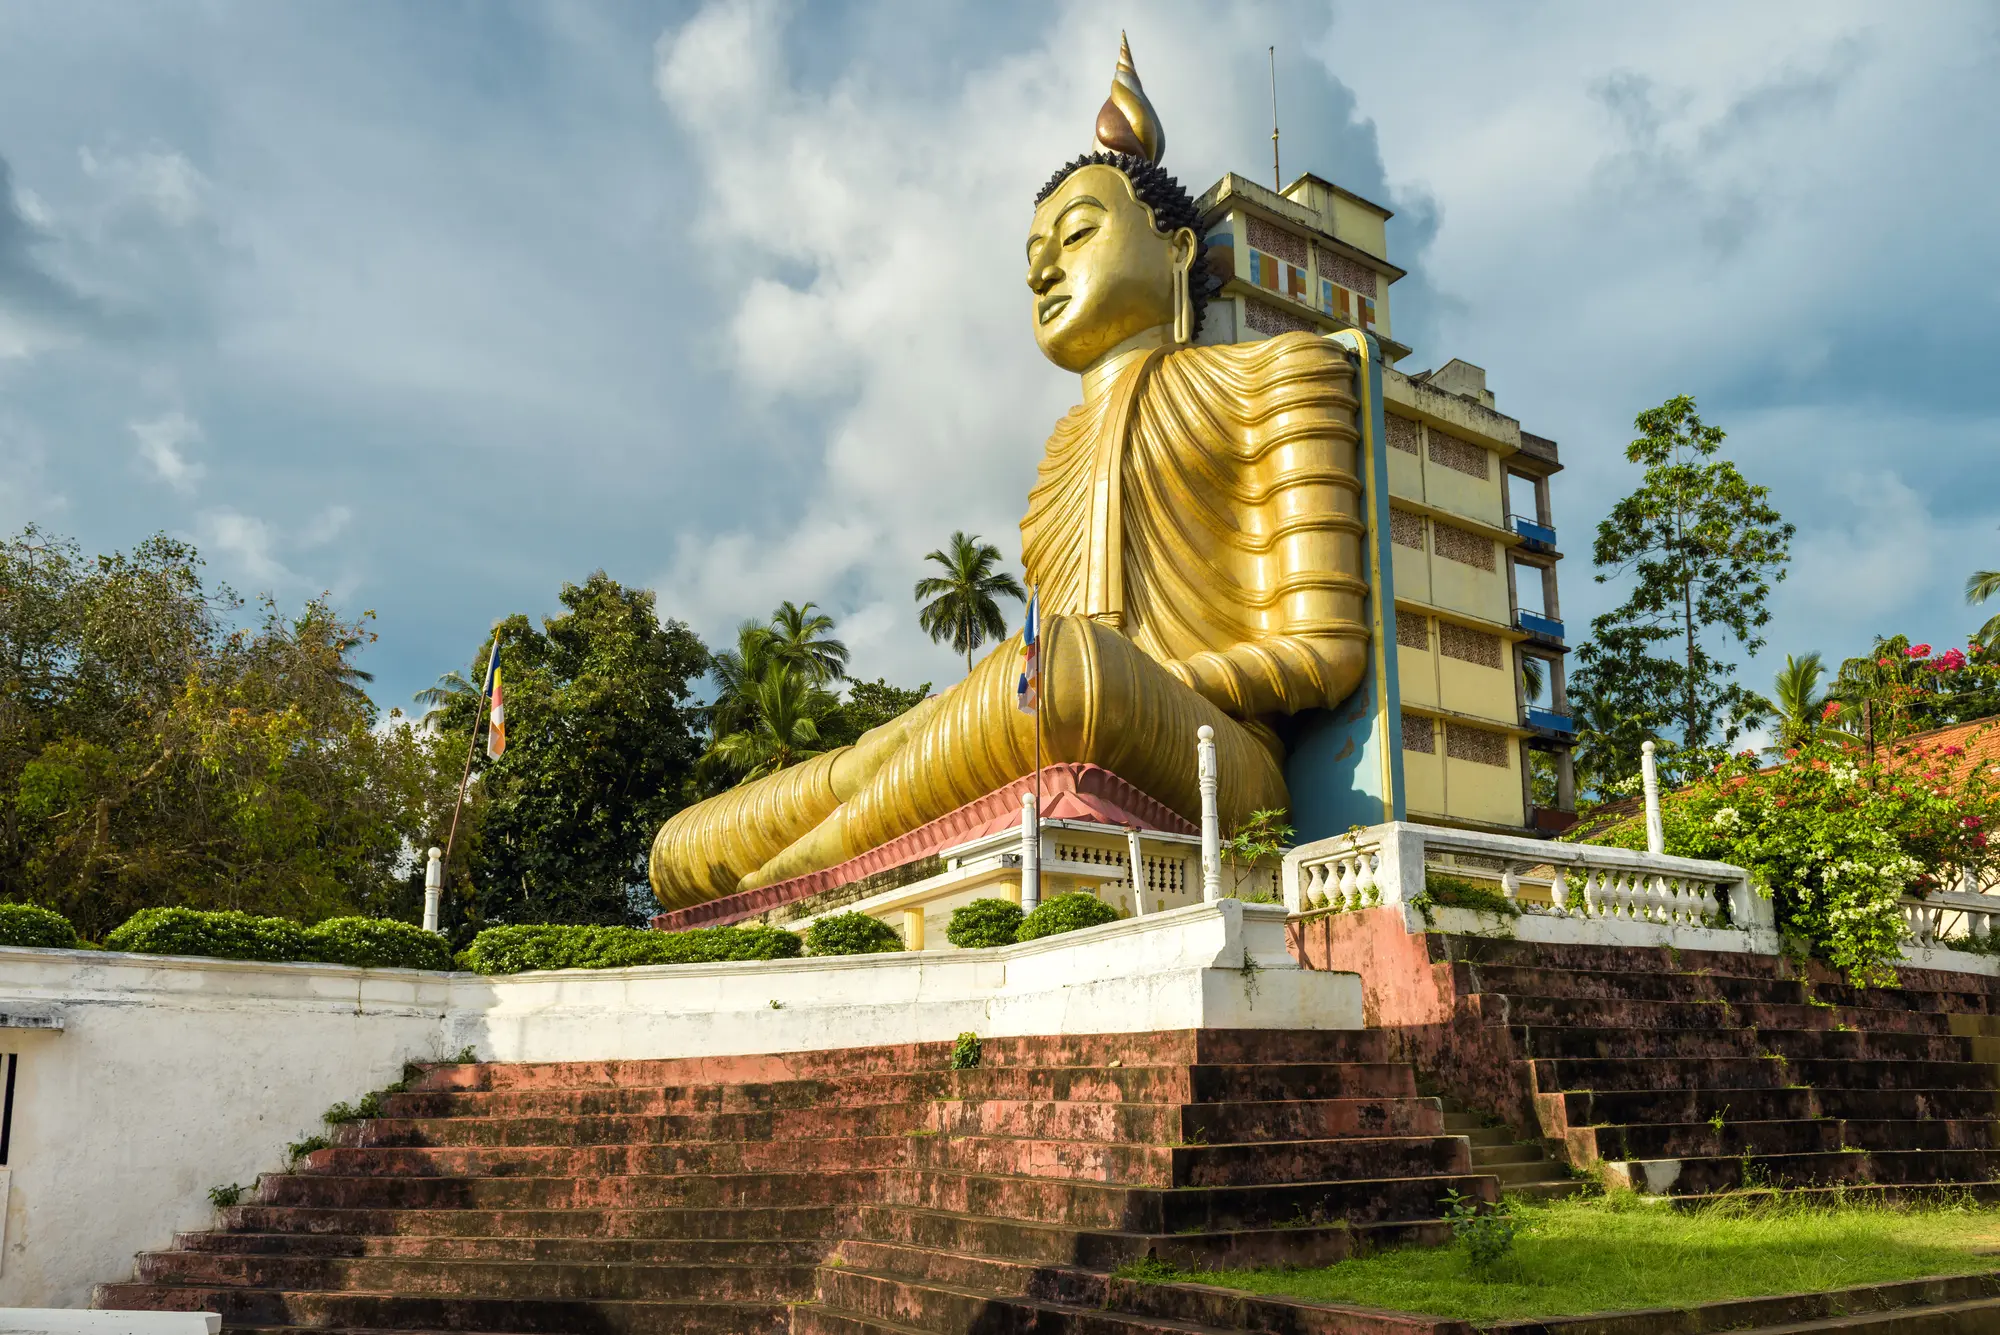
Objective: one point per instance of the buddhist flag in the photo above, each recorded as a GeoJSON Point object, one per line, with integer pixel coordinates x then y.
{"type": "Point", "coordinates": [496, 726]}
{"type": "Point", "coordinates": [1028, 694]}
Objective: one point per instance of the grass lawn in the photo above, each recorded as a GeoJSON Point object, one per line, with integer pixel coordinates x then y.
{"type": "Point", "coordinates": [1614, 1253]}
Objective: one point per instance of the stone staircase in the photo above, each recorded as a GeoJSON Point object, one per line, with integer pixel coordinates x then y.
{"type": "Point", "coordinates": [704, 1195]}
{"type": "Point", "coordinates": [1691, 1074]}
{"type": "Point", "coordinates": [1523, 1167]}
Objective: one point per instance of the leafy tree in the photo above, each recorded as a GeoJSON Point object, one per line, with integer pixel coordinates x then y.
{"type": "Point", "coordinates": [869, 704]}
{"type": "Point", "coordinates": [600, 751]}
{"type": "Point", "coordinates": [802, 639]}
{"type": "Point", "coordinates": [1898, 688]}
{"type": "Point", "coordinates": [1979, 586]}
{"type": "Point", "coordinates": [784, 729]}
{"type": "Point", "coordinates": [964, 605]}
{"type": "Point", "coordinates": [1704, 546]}
{"type": "Point", "coordinates": [1800, 711]}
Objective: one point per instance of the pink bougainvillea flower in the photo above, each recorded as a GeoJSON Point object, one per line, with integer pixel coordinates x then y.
{"type": "Point", "coordinates": [1951, 660]}
{"type": "Point", "coordinates": [1971, 822]}
{"type": "Point", "coordinates": [1885, 662]}
{"type": "Point", "coordinates": [1918, 651]}
{"type": "Point", "coordinates": [1953, 751]}
{"type": "Point", "coordinates": [1832, 708]}
{"type": "Point", "coordinates": [1979, 841]}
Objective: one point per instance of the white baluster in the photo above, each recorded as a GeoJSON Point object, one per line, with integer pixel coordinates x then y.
{"type": "Point", "coordinates": [1316, 885]}
{"type": "Point", "coordinates": [1346, 891]}
{"type": "Point", "coordinates": [1559, 889]}
{"type": "Point", "coordinates": [1593, 892]}
{"type": "Point", "coordinates": [1367, 881]}
{"type": "Point", "coordinates": [1510, 879]}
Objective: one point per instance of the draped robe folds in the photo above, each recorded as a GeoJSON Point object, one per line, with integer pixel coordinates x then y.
{"type": "Point", "coordinates": [1195, 535]}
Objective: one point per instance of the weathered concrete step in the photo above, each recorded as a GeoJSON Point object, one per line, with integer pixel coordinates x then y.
{"type": "Point", "coordinates": [792, 1155]}
{"type": "Point", "coordinates": [809, 1250]}
{"type": "Point", "coordinates": [1666, 1073]}
{"type": "Point", "coordinates": [870, 1119]}
{"type": "Point", "coordinates": [1822, 1044]}
{"type": "Point", "coordinates": [1191, 1123]}
{"type": "Point", "coordinates": [1183, 1047]}
{"type": "Point", "coordinates": [380, 1311]}
{"type": "Point", "coordinates": [714, 1222]}
{"type": "Point", "coordinates": [1709, 1176]}
{"type": "Point", "coordinates": [1103, 1249]}
{"type": "Point", "coordinates": [1577, 1108]}
{"type": "Point", "coordinates": [1592, 1013]}
{"type": "Point", "coordinates": [1263, 1163]}
{"type": "Point", "coordinates": [1662, 1140]}
{"type": "Point", "coordinates": [1203, 1083]}
{"type": "Point", "coordinates": [721, 1280]}
{"type": "Point", "coordinates": [1096, 1205]}
{"type": "Point", "coordinates": [1513, 1176]}
{"type": "Point", "coordinates": [1821, 1311]}
{"type": "Point", "coordinates": [1507, 1151]}
{"type": "Point", "coordinates": [1610, 981]}
{"type": "Point", "coordinates": [1977, 1317]}
{"type": "Point", "coordinates": [312, 1188]}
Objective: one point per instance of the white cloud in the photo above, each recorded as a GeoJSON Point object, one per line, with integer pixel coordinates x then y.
{"type": "Point", "coordinates": [162, 446]}
{"type": "Point", "coordinates": [161, 180]}
{"type": "Point", "coordinates": [325, 526]}
{"type": "Point", "coordinates": [246, 544]}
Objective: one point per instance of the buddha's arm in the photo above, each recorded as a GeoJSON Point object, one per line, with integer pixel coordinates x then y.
{"type": "Point", "coordinates": [1300, 498]}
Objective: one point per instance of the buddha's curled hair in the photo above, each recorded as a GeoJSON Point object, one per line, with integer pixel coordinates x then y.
{"type": "Point", "coordinates": [1172, 209]}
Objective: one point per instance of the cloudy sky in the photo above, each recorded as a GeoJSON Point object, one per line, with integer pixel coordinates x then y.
{"type": "Point", "coordinates": [436, 306]}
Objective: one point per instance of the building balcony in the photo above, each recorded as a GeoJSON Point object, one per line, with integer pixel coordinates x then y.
{"type": "Point", "coordinates": [1535, 537]}
{"type": "Point", "coordinates": [1545, 629]}
{"type": "Point", "coordinates": [1548, 722]}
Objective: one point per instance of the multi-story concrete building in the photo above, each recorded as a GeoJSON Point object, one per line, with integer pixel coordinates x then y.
{"type": "Point", "coordinates": [1477, 656]}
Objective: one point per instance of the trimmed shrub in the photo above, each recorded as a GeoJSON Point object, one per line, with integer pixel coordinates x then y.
{"type": "Point", "coordinates": [1065, 913]}
{"type": "Point", "coordinates": [851, 934]}
{"type": "Point", "coordinates": [527, 946]}
{"type": "Point", "coordinates": [28, 925]}
{"type": "Point", "coordinates": [376, 943]}
{"type": "Point", "coordinates": [227, 935]}
{"type": "Point", "coordinates": [983, 923]}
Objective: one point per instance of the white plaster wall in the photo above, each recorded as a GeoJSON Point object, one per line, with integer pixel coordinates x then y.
{"type": "Point", "coordinates": [171, 1076]}
{"type": "Point", "coordinates": [174, 1075]}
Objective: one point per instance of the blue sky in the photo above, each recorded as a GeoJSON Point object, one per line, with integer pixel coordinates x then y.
{"type": "Point", "coordinates": [436, 306]}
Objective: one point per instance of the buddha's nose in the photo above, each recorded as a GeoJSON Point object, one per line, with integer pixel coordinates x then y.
{"type": "Point", "coordinates": [1042, 277]}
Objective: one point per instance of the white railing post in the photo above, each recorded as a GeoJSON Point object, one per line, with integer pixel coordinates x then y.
{"type": "Point", "coordinates": [1211, 823]}
{"type": "Point", "coordinates": [1138, 861]}
{"type": "Point", "coordinates": [433, 889]}
{"type": "Point", "coordinates": [1031, 854]}
{"type": "Point", "coordinates": [1656, 838]}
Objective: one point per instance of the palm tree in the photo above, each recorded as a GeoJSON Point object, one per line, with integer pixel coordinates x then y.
{"type": "Point", "coordinates": [437, 700]}
{"type": "Point", "coordinates": [785, 729]}
{"type": "Point", "coordinates": [964, 603]}
{"type": "Point", "coordinates": [1801, 711]}
{"type": "Point", "coordinates": [796, 640]}
{"type": "Point", "coordinates": [1979, 586]}
{"type": "Point", "coordinates": [737, 672]}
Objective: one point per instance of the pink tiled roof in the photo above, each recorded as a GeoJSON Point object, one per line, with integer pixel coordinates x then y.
{"type": "Point", "coordinates": [1069, 792]}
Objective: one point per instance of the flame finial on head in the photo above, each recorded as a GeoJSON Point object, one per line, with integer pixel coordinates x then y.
{"type": "Point", "coordinates": [1127, 123]}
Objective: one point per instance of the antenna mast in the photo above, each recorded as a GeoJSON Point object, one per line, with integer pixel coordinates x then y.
{"type": "Point", "coordinates": [1277, 180]}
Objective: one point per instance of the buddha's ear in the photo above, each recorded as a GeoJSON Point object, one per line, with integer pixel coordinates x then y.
{"type": "Point", "coordinates": [1183, 244]}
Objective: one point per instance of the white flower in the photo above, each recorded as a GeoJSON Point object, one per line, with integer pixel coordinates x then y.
{"type": "Point", "coordinates": [1728, 818]}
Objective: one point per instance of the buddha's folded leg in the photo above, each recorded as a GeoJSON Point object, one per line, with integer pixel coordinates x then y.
{"type": "Point", "coordinates": [1103, 702]}
{"type": "Point", "coordinates": [705, 850]}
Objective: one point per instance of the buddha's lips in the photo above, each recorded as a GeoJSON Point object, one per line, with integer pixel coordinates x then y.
{"type": "Point", "coordinates": [1050, 307]}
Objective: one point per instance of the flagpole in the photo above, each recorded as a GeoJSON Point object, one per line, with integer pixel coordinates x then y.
{"type": "Point", "coordinates": [471, 746]}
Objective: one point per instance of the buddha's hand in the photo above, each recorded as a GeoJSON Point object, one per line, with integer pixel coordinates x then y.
{"type": "Point", "coordinates": [1281, 675]}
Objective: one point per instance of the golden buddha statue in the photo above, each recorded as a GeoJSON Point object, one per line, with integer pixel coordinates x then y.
{"type": "Point", "coordinates": [1195, 537]}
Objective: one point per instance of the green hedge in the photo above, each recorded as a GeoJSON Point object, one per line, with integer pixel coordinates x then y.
{"type": "Point", "coordinates": [851, 934]}
{"type": "Point", "coordinates": [376, 943]}
{"type": "Point", "coordinates": [529, 946]}
{"type": "Point", "coordinates": [28, 925]}
{"type": "Point", "coordinates": [226, 934]}
{"type": "Point", "coordinates": [983, 923]}
{"type": "Point", "coordinates": [1065, 913]}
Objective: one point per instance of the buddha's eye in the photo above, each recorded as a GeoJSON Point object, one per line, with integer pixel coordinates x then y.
{"type": "Point", "coordinates": [1079, 234]}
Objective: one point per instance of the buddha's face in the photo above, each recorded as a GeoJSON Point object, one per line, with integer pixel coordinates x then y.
{"type": "Point", "coordinates": [1099, 272]}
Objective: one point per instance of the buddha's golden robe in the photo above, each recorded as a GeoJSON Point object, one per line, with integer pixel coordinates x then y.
{"type": "Point", "coordinates": [1196, 539]}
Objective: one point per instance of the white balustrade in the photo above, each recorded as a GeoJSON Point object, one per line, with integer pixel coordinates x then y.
{"type": "Point", "coordinates": [1945, 916]}
{"type": "Point", "coordinates": [1385, 864]}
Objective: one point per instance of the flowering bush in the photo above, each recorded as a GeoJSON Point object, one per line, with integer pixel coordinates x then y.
{"type": "Point", "coordinates": [1900, 688]}
{"type": "Point", "coordinates": [1836, 841]}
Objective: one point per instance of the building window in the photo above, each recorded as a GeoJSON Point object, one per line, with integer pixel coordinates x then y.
{"type": "Point", "coordinates": [1268, 319]}
{"type": "Point", "coordinates": [1406, 529]}
{"type": "Point", "coordinates": [1468, 645]}
{"type": "Point", "coordinates": [1460, 457]}
{"type": "Point", "coordinates": [1413, 632]}
{"type": "Point", "coordinates": [1356, 278]}
{"type": "Point", "coordinates": [1455, 544]}
{"type": "Point", "coordinates": [1277, 241]}
{"type": "Point", "coordinates": [1404, 434]}
{"type": "Point", "coordinates": [1419, 734]}
{"type": "Point", "coordinates": [1481, 746]}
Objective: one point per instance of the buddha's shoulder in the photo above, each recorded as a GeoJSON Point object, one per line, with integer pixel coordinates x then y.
{"type": "Point", "coordinates": [1285, 354]}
